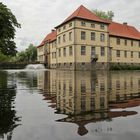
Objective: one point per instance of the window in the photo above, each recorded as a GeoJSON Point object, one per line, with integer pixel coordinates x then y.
{"type": "Point", "coordinates": [125, 53]}
{"type": "Point", "coordinates": [59, 30]}
{"type": "Point", "coordinates": [64, 27]}
{"type": "Point", "coordinates": [83, 23]}
{"type": "Point", "coordinates": [102, 26]}
{"type": "Point", "coordinates": [102, 37]}
{"type": "Point", "coordinates": [59, 40]}
{"type": "Point", "coordinates": [92, 25]}
{"type": "Point", "coordinates": [70, 24]}
{"type": "Point", "coordinates": [102, 51]}
{"type": "Point", "coordinates": [70, 36]}
{"type": "Point", "coordinates": [131, 54]}
{"type": "Point", "coordinates": [59, 52]}
{"type": "Point", "coordinates": [83, 35]}
{"type": "Point", "coordinates": [83, 87]}
{"type": "Point", "coordinates": [83, 50]}
{"type": "Point", "coordinates": [64, 51]}
{"type": "Point", "coordinates": [92, 36]}
{"type": "Point", "coordinates": [118, 41]}
{"type": "Point", "coordinates": [139, 43]}
{"type": "Point", "coordinates": [70, 50]}
{"type": "Point", "coordinates": [131, 42]}
{"type": "Point", "coordinates": [64, 38]}
{"type": "Point", "coordinates": [125, 42]}
{"type": "Point", "coordinates": [93, 51]}
{"type": "Point", "coordinates": [139, 54]}
{"type": "Point", "coordinates": [118, 53]}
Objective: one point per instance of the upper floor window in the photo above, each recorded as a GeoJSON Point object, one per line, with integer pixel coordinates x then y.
{"type": "Point", "coordinates": [83, 23]}
{"type": "Point", "coordinates": [59, 52]}
{"type": "Point", "coordinates": [125, 42]}
{"type": "Point", "coordinates": [102, 51]}
{"type": "Point", "coordinates": [64, 27]}
{"type": "Point", "coordinates": [131, 42]}
{"type": "Point", "coordinates": [70, 50]}
{"type": "Point", "coordinates": [118, 41]}
{"type": "Point", "coordinates": [92, 25]}
{"type": "Point", "coordinates": [102, 26]}
{"type": "Point", "coordinates": [59, 30]}
{"type": "Point", "coordinates": [102, 37]}
{"type": "Point", "coordinates": [64, 38]}
{"type": "Point", "coordinates": [70, 36]}
{"type": "Point", "coordinates": [64, 51]}
{"type": "Point", "coordinates": [92, 36]}
{"type": "Point", "coordinates": [59, 40]}
{"type": "Point", "coordinates": [139, 54]}
{"type": "Point", "coordinates": [125, 53]}
{"type": "Point", "coordinates": [131, 54]}
{"type": "Point", "coordinates": [70, 24]}
{"type": "Point", "coordinates": [83, 35]}
{"type": "Point", "coordinates": [118, 53]}
{"type": "Point", "coordinates": [83, 50]}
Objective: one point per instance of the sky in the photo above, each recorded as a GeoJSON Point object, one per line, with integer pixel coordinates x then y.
{"type": "Point", "coordinates": [39, 17]}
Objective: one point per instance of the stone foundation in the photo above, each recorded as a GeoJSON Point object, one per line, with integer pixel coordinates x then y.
{"type": "Point", "coordinates": [80, 66]}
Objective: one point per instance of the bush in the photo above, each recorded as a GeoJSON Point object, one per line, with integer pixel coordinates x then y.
{"type": "Point", "coordinates": [124, 67]}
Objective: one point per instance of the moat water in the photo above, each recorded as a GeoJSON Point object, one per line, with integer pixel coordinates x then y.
{"type": "Point", "coordinates": [69, 105]}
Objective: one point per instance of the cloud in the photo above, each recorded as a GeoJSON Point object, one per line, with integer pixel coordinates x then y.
{"type": "Point", "coordinates": [37, 18]}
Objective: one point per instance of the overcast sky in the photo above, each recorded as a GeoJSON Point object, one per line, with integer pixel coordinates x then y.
{"type": "Point", "coordinates": [38, 17]}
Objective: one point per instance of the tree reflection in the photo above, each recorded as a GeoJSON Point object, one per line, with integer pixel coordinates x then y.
{"type": "Point", "coordinates": [8, 118]}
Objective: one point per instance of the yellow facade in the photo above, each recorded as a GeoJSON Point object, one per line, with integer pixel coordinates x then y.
{"type": "Point", "coordinates": [83, 44]}
{"type": "Point", "coordinates": [127, 48]}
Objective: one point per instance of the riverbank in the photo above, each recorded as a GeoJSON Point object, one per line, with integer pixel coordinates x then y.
{"type": "Point", "coordinates": [14, 65]}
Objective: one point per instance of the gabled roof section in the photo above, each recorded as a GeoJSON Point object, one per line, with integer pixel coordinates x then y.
{"type": "Point", "coordinates": [123, 30]}
{"type": "Point", "coordinates": [83, 13]}
{"type": "Point", "coordinates": [49, 38]}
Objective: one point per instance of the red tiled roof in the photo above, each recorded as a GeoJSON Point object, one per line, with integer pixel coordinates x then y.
{"type": "Point", "coordinates": [49, 38]}
{"type": "Point", "coordinates": [123, 30]}
{"type": "Point", "coordinates": [83, 13]}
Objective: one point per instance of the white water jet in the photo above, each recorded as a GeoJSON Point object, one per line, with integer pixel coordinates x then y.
{"type": "Point", "coordinates": [35, 66]}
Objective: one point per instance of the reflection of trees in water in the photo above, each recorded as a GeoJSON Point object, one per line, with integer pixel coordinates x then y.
{"type": "Point", "coordinates": [8, 118]}
{"type": "Point", "coordinates": [29, 79]}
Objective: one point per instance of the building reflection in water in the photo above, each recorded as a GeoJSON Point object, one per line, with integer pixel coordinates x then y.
{"type": "Point", "coordinates": [88, 97]}
{"type": "Point", "coordinates": [8, 119]}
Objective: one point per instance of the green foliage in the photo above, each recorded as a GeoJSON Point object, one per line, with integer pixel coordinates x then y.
{"type": "Point", "coordinates": [104, 15]}
{"type": "Point", "coordinates": [29, 55]}
{"type": "Point", "coordinates": [124, 67]}
{"type": "Point", "coordinates": [8, 22]}
{"type": "Point", "coordinates": [4, 58]}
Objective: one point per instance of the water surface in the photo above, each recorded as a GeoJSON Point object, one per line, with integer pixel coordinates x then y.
{"type": "Point", "coordinates": [69, 105]}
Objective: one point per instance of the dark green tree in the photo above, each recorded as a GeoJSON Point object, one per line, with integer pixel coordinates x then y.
{"type": "Point", "coordinates": [104, 15]}
{"type": "Point", "coordinates": [8, 23]}
{"type": "Point", "coordinates": [29, 55]}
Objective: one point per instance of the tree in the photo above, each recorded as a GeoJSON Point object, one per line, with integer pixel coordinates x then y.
{"type": "Point", "coordinates": [8, 23]}
{"type": "Point", "coordinates": [104, 15]}
{"type": "Point", "coordinates": [29, 55]}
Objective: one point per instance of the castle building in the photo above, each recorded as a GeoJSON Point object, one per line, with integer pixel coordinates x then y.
{"type": "Point", "coordinates": [86, 42]}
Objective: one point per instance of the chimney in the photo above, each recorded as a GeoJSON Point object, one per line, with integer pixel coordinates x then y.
{"type": "Point", "coordinates": [53, 30]}
{"type": "Point", "coordinates": [124, 23]}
